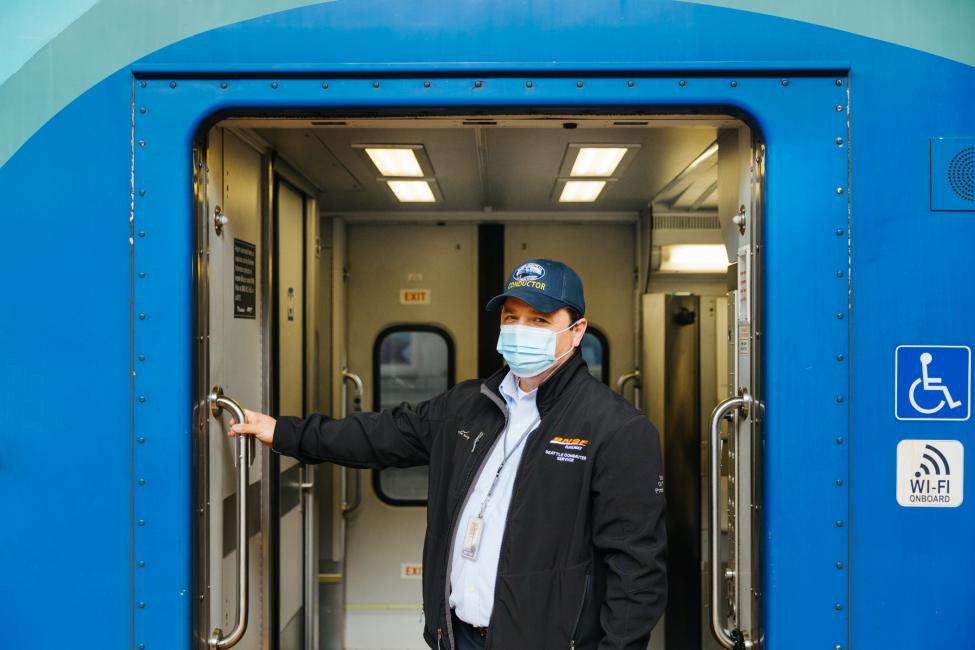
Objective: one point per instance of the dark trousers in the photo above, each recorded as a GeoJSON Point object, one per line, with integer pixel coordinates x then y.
{"type": "Point", "coordinates": [466, 636]}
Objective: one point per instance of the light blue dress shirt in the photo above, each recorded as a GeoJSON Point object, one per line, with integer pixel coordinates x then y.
{"type": "Point", "coordinates": [472, 581]}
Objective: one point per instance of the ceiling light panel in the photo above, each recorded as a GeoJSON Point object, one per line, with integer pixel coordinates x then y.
{"type": "Point", "coordinates": [597, 161]}
{"type": "Point", "coordinates": [395, 162]}
{"type": "Point", "coordinates": [694, 258]}
{"type": "Point", "coordinates": [412, 191]}
{"type": "Point", "coordinates": [590, 160]}
{"type": "Point", "coordinates": [581, 191]}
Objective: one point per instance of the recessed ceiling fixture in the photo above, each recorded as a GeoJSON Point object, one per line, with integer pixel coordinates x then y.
{"type": "Point", "coordinates": [599, 164]}
{"type": "Point", "coordinates": [399, 162]}
{"type": "Point", "coordinates": [581, 191]}
{"type": "Point", "coordinates": [412, 191]}
{"type": "Point", "coordinates": [597, 161]}
{"type": "Point", "coordinates": [693, 258]}
{"type": "Point", "coordinates": [590, 160]}
{"type": "Point", "coordinates": [405, 169]}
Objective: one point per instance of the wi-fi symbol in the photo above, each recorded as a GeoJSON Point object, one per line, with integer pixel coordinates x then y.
{"type": "Point", "coordinates": [930, 464]}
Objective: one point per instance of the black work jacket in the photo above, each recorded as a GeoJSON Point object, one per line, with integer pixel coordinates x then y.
{"type": "Point", "coordinates": [582, 557]}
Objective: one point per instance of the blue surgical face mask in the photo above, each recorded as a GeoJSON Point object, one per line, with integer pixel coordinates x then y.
{"type": "Point", "coordinates": [528, 350]}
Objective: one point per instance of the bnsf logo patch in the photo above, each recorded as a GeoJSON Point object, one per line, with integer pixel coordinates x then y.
{"type": "Point", "coordinates": [569, 443]}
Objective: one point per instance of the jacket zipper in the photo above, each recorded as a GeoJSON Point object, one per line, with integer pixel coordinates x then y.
{"type": "Point", "coordinates": [582, 606]}
{"type": "Point", "coordinates": [439, 637]}
{"type": "Point", "coordinates": [504, 535]}
{"type": "Point", "coordinates": [453, 530]}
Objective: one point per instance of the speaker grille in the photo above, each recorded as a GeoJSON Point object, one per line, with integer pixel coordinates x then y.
{"type": "Point", "coordinates": [952, 174]}
{"type": "Point", "coordinates": [961, 173]}
{"type": "Point", "coordinates": [686, 222]}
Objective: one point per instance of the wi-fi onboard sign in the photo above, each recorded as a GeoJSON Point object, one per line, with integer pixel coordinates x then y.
{"type": "Point", "coordinates": [930, 473]}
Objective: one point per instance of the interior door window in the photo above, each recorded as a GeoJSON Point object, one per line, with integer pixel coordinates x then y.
{"type": "Point", "coordinates": [595, 350]}
{"type": "Point", "coordinates": [411, 363]}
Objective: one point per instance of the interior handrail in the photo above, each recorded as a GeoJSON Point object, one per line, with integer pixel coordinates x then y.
{"type": "Point", "coordinates": [218, 402]}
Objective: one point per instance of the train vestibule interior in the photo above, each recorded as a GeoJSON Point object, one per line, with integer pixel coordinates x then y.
{"type": "Point", "coordinates": [349, 260]}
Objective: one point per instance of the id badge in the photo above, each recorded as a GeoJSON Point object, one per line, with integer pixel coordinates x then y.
{"type": "Point", "coordinates": [472, 540]}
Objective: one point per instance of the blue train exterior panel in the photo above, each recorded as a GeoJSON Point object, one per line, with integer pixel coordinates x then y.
{"type": "Point", "coordinates": [65, 391]}
{"type": "Point", "coordinates": [857, 264]}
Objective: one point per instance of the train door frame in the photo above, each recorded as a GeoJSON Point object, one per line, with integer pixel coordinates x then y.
{"type": "Point", "coordinates": [210, 632]}
{"type": "Point", "coordinates": [800, 109]}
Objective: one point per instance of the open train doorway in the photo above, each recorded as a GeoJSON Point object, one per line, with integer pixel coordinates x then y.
{"type": "Point", "coordinates": [374, 243]}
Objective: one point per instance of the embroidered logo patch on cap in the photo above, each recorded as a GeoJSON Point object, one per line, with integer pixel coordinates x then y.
{"type": "Point", "coordinates": [529, 271]}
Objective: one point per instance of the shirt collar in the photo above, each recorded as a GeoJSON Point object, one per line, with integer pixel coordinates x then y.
{"type": "Point", "coordinates": [512, 392]}
{"type": "Point", "coordinates": [573, 370]}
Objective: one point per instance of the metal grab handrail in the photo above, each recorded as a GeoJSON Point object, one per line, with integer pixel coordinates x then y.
{"type": "Point", "coordinates": [360, 389]}
{"type": "Point", "coordinates": [727, 638]}
{"type": "Point", "coordinates": [633, 375]}
{"type": "Point", "coordinates": [359, 394]}
{"type": "Point", "coordinates": [624, 379]}
{"type": "Point", "coordinates": [310, 575]}
{"type": "Point", "coordinates": [218, 402]}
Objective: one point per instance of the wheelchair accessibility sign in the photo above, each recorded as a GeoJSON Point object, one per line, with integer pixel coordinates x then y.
{"type": "Point", "coordinates": [933, 382]}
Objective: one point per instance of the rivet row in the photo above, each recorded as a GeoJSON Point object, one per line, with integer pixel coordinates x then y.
{"type": "Point", "coordinates": [630, 83]}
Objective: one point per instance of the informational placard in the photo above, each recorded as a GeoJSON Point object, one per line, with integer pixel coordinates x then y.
{"type": "Point", "coordinates": [245, 279]}
{"type": "Point", "coordinates": [744, 339]}
{"type": "Point", "coordinates": [930, 473]}
{"type": "Point", "coordinates": [744, 308]}
{"type": "Point", "coordinates": [933, 382]}
{"type": "Point", "coordinates": [414, 296]}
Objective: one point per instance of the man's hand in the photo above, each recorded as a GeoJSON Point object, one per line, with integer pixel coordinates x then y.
{"type": "Point", "coordinates": [255, 424]}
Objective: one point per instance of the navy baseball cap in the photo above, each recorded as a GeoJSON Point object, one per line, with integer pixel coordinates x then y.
{"type": "Point", "coordinates": [546, 285]}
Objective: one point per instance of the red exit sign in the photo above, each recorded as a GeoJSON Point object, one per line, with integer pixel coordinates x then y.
{"type": "Point", "coordinates": [411, 570]}
{"type": "Point", "coordinates": [414, 296]}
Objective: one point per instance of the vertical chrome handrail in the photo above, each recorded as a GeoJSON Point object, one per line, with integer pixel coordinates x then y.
{"type": "Point", "coordinates": [624, 379]}
{"type": "Point", "coordinates": [310, 568]}
{"type": "Point", "coordinates": [727, 638]}
{"type": "Point", "coordinates": [359, 393]}
{"type": "Point", "coordinates": [218, 402]}
{"type": "Point", "coordinates": [360, 389]}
